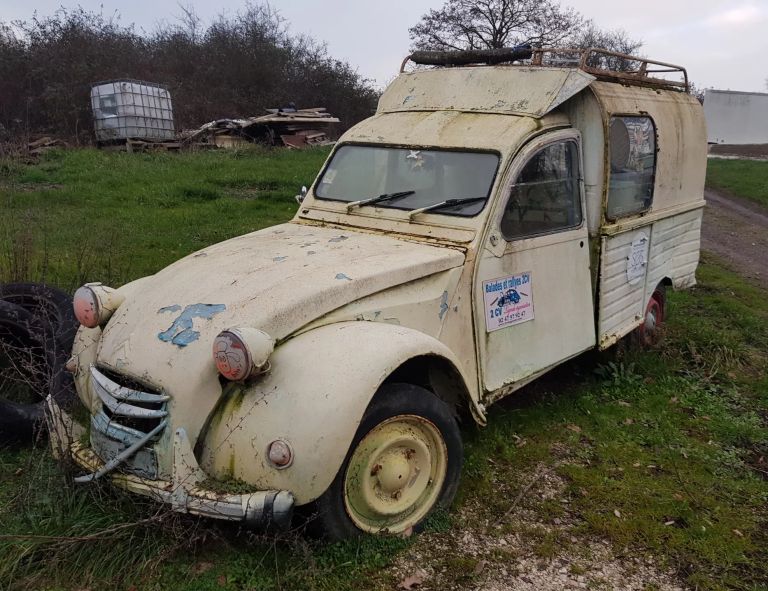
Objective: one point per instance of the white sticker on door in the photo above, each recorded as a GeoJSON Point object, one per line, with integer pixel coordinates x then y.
{"type": "Point", "coordinates": [637, 260]}
{"type": "Point", "coordinates": [508, 301]}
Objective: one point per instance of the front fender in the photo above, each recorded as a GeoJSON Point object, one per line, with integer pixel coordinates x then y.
{"type": "Point", "coordinates": [313, 398]}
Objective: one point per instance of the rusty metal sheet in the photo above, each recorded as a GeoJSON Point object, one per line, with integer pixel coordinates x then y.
{"type": "Point", "coordinates": [526, 91]}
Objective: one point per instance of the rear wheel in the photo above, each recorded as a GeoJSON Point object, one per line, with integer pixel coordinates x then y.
{"type": "Point", "coordinates": [404, 461]}
{"type": "Point", "coordinates": [650, 331]}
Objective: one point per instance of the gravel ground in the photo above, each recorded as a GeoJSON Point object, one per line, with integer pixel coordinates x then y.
{"type": "Point", "coordinates": [493, 559]}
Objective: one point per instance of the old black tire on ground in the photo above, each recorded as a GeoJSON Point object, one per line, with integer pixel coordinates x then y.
{"type": "Point", "coordinates": [404, 462]}
{"type": "Point", "coordinates": [26, 369]}
{"type": "Point", "coordinates": [52, 309]}
{"type": "Point", "coordinates": [48, 305]}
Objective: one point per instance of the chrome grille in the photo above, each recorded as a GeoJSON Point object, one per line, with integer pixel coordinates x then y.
{"type": "Point", "coordinates": [127, 415]}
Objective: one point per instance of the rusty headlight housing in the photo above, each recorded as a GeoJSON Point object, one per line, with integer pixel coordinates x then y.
{"type": "Point", "coordinates": [95, 303]}
{"type": "Point", "coordinates": [242, 352]}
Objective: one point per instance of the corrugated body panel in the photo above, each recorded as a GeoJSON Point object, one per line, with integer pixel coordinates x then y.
{"type": "Point", "coordinates": [673, 252]}
{"type": "Point", "coordinates": [621, 303]}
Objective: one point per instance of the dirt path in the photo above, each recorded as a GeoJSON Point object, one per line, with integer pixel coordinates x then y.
{"type": "Point", "coordinates": [737, 231]}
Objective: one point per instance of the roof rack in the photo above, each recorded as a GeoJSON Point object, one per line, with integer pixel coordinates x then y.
{"type": "Point", "coordinates": [601, 63]}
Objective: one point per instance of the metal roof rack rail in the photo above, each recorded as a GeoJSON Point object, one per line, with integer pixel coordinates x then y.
{"type": "Point", "coordinates": [615, 67]}
{"type": "Point", "coordinates": [601, 63]}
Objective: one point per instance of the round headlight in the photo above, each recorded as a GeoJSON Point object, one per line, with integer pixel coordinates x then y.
{"type": "Point", "coordinates": [94, 304]}
{"type": "Point", "coordinates": [242, 352]}
{"type": "Point", "coordinates": [86, 306]}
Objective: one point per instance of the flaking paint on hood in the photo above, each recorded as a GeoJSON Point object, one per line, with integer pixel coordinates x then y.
{"type": "Point", "coordinates": [277, 279]}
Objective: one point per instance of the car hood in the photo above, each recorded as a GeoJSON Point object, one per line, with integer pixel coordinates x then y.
{"type": "Point", "coordinates": [277, 280]}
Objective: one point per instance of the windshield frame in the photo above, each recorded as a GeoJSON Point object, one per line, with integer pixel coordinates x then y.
{"type": "Point", "coordinates": [395, 203]}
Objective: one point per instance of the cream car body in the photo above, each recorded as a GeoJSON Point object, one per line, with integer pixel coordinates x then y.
{"type": "Point", "coordinates": [355, 297]}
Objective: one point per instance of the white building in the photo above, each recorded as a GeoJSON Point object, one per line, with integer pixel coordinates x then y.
{"type": "Point", "coordinates": [736, 117]}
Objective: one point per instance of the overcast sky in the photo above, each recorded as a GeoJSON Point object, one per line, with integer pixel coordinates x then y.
{"type": "Point", "coordinates": [723, 43]}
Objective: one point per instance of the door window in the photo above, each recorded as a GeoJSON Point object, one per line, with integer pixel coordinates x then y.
{"type": "Point", "coordinates": [546, 196]}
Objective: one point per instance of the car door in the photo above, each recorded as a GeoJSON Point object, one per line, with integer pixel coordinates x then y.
{"type": "Point", "coordinates": [533, 297]}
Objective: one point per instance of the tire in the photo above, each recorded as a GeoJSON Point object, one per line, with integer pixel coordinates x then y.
{"type": "Point", "coordinates": [649, 333]}
{"type": "Point", "coordinates": [52, 308]}
{"type": "Point", "coordinates": [404, 462]}
{"type": "Point", "coordinates": [25, 350]}
{"type": "Point", "coordinates": [48, 305]}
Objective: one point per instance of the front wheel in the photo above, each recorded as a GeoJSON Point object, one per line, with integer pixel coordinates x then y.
{"type": "Point", "coordinates": [404, 461]}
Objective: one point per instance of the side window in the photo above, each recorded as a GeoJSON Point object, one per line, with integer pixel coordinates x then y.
{"type": "Point", "coordinates": [633, 165]}
{"type": "Point", "coordinates": [545, 197]}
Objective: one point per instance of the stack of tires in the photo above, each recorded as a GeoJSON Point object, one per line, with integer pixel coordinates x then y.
{"type": "Point", "coordinates": [37, 329]}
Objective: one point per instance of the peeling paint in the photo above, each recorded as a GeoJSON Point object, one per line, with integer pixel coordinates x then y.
{"type": "Point", "coordinates": [443, 305]}
{"type": "Point", "coordinates": [181, 331]}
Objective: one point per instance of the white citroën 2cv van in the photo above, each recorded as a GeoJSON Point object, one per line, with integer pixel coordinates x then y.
{"type": "Point", "coordinates": [489, 222]}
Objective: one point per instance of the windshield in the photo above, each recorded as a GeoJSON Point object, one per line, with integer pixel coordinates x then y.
{"type": "Point", "coordinates": [424, 177]}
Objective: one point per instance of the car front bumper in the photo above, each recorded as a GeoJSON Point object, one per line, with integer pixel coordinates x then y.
{"type": "Point", "coordinates": [185, 491]}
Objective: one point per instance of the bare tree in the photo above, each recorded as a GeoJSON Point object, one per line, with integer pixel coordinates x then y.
{"type": "Point", "coordinates": [492, 24]}
{"type": "Point", "coordinates": [618, 40]}
{"type": "Point", "coordinates": [697, 92]}
{"type": "Point", "coordinates": [615, 40]}
{"type": "Point", "coordinates": [190, 23]}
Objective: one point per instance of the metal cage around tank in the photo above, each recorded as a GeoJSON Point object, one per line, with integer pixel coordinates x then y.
{"type": "Point", "coordinates": [132, 109]}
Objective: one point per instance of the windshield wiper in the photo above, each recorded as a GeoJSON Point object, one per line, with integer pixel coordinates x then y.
{"type": "Point", "coordinates": [379, 199]}
{"type": "Point", "coordinates": [446, 203]}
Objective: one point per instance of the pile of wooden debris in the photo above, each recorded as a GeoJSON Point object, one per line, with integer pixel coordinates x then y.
{"type": "Point", "coordinates": [44, 144]}
{"type": "Point", "coordinates": [291, 127]}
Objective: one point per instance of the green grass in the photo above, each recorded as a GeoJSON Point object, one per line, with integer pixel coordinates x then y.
{"type": "Point", "coordinates": [677, 435]}
{"type": "Point", "coordinates": [745, 178]}
{"type": "Point", "coordinates": [86, 214]}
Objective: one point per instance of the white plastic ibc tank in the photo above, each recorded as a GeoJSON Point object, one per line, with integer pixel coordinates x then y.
{"type": "Point", "coordinates": [124, 109]}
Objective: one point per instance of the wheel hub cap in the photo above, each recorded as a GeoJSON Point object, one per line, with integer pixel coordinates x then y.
{"type": "Point", "coordinates": [650, 320]}
{"type": "Point", "coordinates": [395, 474]}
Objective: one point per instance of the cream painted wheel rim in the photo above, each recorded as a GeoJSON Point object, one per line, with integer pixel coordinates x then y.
{"type": "Point", "coordinates": [395, 474]}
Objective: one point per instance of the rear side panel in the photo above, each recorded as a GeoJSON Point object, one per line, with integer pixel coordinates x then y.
{"type": "Point", "coordinates": [635, 261]}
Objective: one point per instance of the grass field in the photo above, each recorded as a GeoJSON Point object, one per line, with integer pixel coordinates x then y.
{"type": "Point", "coordinates": [745, 178]}
{"type": "Point", "coordinates": [87, 214]}
{"type": "Point", "coordinates": [662, 453]}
